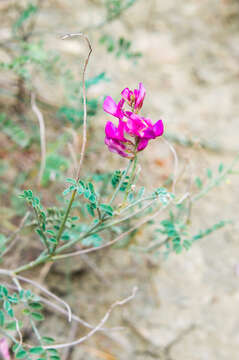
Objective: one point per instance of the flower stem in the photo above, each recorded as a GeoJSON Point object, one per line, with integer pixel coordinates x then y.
{"type": "Point", "coordinates": [121, 182]}
{"type": "Point", "coordinates": [131, 179]}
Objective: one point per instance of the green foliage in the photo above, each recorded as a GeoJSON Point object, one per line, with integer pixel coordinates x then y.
{"type": "Point", "coordinates": [37, 316]}
{"type": "Point", "coordinates": [29, 303]}
{"type": "Point", "coordinates": [220, 168]}
{"type": "Point", "coordinates": [26, 14]}
{"type": "Point", "coordinates": [56, 165]}
{"type": "Point", "coordinates": [210, 230]}
{"type": "Point", "coordinates": [3, 241]}
{"type": "Point", "coordinates": [121, 47]}
{"type": "Point", "coordinates": [13, 131]}
{"type": "Point", "coordinates": [173, 232]}
{"type": "Point", "coordinates": [93, 240]}
{"type": "Point", "coordinates": [198, 182]}
{"type": "Point", "coordinates": [95, 80]}
{"type": "Point", "coordinates": [163, 195]}
{"type": "Point", "coordinates": [116, 7]}
{"type": "Point", "coordinates": [107, 209]}
{"type": "Point", "coordinates": [116, 179]}
{"type": "Point", "coordinates": [71, 114]}
{"type": "Point", "coordinates": [36, 350]}
{"type": "Point", "coordinates": [177, 234]}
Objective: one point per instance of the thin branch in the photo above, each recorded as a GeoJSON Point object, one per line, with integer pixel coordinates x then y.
{"type": "Point", "coordinates": [216, 181]}
{"type": "Point", "coordinates": [72, 335]}
{"type": "Point", "coordinates": [73, 155]}
{"type": "Point", "coordinates": [62, 311]}
{"type": "Point", "coordinates": [117, 222]}
{"type": "Point", "coordinates": [67, 36]}
{"type": "Point", "coordinates": [73, 147]}
{"type": "Point", "coordinates": [40, 118]}
{"type": "Point", "coordinates": [100, 324]}
{"type": "Point", "coordinates": [97, 271]}
{"type": "Point", "coordinates": [49, 293]}
{"type": "Point", "coordinates": [112, 242]}
{"type": "Point", "coordinates": [15, 235]}
{"type": "Point", "coordinates": [16, 321]}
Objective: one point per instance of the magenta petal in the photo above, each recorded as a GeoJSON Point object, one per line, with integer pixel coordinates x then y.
{"type": "Point", "coordinates": [134, 124]}
{"type": "Point", "coordinates": [133, 127]}
{"type": "Point", "coordinates": [126, 94]}
{"type": "Point", "coordinates": [148, 134]}
{"type": "Point", "coordinates": [119, 111]}
{"type": "Point", "coordinates": [139, 96]}
{"type": "Point", "coordinates": [142, 144]}
{"type": "Point", "coordinates": [110, 106]}
{"type": "Point", "coordinates": [121, 129]}
{"type": "Point", "coordinates": [111, 130]}
{"type": "Point", "coordinates": [116, 147]}
{"type": "Point", "coordinates": [4, 349]}
{"type": "Point", "coordinates": [148, 122]}
{"type": "Point", "coordinates": [158, 128]}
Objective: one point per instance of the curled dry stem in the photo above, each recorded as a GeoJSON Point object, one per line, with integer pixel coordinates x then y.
{"type": "Point", "coordinates": [100, 324]}
{"type": "Point", "coordinates": [64, 312]}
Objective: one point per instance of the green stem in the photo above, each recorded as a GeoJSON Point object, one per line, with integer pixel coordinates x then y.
{"type": "Point", "coordinates": [137, 202]}
{"type": "Point", "coordinates": [215, 181]}
{"type": "Point", "coordinates": [38, 336]}
{"type": "Point", "coordinates": [5, 333]}
{"type": "Point", "coordinates": [127, 217]}
{"type": "Point", "coordinates": [42, 231]}
{"type": "Point", "coordinates": [62, 227]}
{"type": "Point", "coordinates": [44, 257]}
{"type": "Point", "coordinates": [121, 182]}
{"type": "Point", "coordinates": [92, 230]}
{"type": "Point", "coordinates": [131, 179]}
{"type": "Point", "coordinates": [74, 241]}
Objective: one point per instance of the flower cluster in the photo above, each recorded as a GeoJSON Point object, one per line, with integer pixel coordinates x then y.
{"type": "Point", "coordinates": [133, 131]}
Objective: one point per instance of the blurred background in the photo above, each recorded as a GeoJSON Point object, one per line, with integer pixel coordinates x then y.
{"type": "Point", "coordinates": [186, 55]}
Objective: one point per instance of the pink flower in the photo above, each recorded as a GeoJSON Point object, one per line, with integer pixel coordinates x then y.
{"type": "Point", "coordinates": [143, 127]}
{"type": "Point", "coordinates": [112, 108]}
{"type": "Point", "coordinates": [133, 132]}
{"type": "Point", "coordinates": [134, 98]}
{"type": "Point", "coordinates": [116, 142]}
{"type": "Point", "coordinates": [4, 350]}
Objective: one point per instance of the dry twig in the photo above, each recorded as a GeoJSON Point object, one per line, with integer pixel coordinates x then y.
{"type": "Point", "coordinates": [40, 118]}
{"type": "Point", "coordinates": [67, 36]}
{"type": "Point", "coordinates": [100, 324]}
{"type": "Point", "coordinates": [15, 235]}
